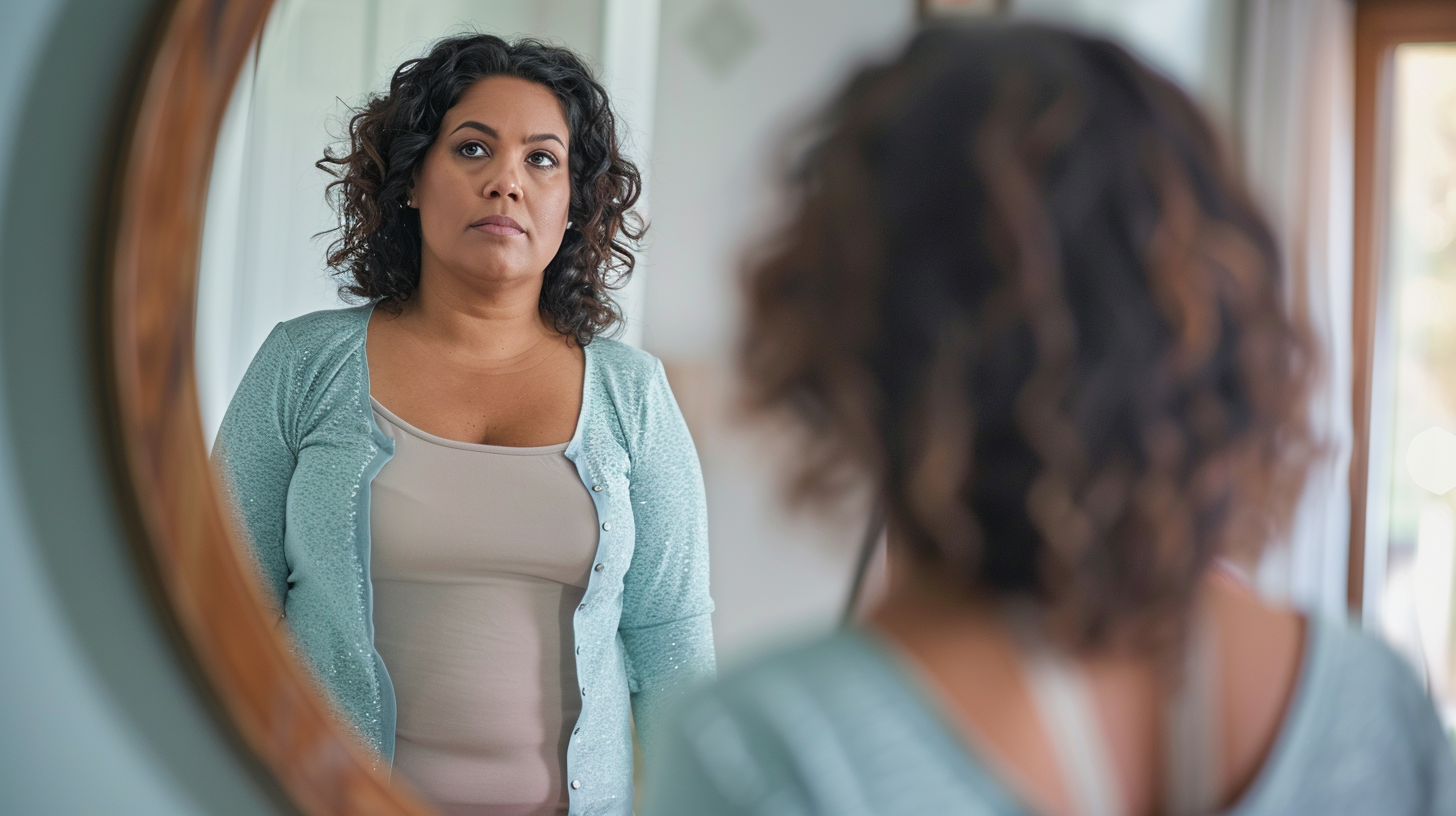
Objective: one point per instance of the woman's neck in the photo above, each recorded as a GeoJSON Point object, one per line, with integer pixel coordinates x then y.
{"type": "Point", "coordinates": [491, 324]}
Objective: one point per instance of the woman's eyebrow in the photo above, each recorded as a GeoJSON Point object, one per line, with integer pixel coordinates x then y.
{"type": "Point", "coordinates": [490, 131]}
{"type": "Point", "coordinates": [471, 123]}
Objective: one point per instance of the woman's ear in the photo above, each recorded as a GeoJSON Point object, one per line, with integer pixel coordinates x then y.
{"type": "Point", "coordinates": [409, 193]}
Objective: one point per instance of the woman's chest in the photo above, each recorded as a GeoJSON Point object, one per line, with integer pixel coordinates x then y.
{"type": "Point", "coordinates": [459, 513]}
{"type": "Point", "coordinates": [528, 404]}
{"type": "Point", "coordinates": [349, 463]}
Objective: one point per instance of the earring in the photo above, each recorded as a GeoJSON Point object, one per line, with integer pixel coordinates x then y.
{"type": "Point", "coordinates": [568, 225]}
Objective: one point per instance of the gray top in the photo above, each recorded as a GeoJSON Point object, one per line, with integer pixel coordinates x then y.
{"type": "Point", "coordinates": [840, 727]}
{"type": "Point", "coordinates": [481, 555]}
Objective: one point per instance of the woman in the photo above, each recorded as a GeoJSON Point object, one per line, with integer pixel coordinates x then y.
{"type": "Point", "coordinates": [482, 521]}
{"type": "Point", "coordinates": [1023, 293]}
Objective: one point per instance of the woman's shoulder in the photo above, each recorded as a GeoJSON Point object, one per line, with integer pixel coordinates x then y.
{"type": "Point", "coordinates": [1348, 662]}
{"type": "Point", "coordinates": [848, 677]}
{"type": "Point", "coordinates": [832, 714]}
{"type": "Point", "coordinates": [300, 362]}
{"type": "Point", "coordinates": [631, 380]}
{"type": "Point", "coordinates": [827, 659]}
{"type": "Point", "coordinates": [799, 676]}
{"type": "Point", "coordinates": [622, 364]}
{"type": "Point", "coordinates": [1359, 706]}
{"type": "Point", "coordinates": [318, 342]}
{"type": "Point", "coordinates": [327, 328]}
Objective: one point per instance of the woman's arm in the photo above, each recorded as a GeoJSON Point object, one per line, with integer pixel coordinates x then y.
{"type": "Point", "coordinates": [255, 460]}
{"type": "Point", "coordinates": [666, 610]}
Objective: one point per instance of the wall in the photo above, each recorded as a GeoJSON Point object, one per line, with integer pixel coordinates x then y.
{"type": "Point", "coordinates": [96, 716]}
{"type": "Point", "coordinates": [733, 77]}
{"type": "Point", "coordinates": [1192, 41]}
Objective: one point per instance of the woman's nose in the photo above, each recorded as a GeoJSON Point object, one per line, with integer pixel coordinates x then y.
{"type": "Point", "coordinates": [504, 185]}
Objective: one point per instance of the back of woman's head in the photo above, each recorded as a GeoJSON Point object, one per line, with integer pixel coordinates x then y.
{"type": "Point", "coordinates": [1021, 290]}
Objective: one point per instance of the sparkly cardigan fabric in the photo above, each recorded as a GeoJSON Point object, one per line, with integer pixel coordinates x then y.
{"type": "Point", "coordinates": [298, 449]}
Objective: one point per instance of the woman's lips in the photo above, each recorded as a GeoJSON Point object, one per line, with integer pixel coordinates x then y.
{"type": "Point", "coordinates": [498, 225]}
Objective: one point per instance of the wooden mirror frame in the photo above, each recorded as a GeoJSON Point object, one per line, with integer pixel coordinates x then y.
{"type": "Point", "coordinates": [209, 596]}
{"type": "Point", "coordinates": [930, 9]}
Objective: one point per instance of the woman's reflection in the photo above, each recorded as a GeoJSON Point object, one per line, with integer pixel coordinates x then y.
{"type": "Point", "coordinates": [463, 480]}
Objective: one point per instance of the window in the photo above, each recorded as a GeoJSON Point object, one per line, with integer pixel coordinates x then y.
{"type": "Point", "coordinates": [1403, 475]}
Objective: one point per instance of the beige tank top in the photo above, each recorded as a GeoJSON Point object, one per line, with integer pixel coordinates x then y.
{"type": "Point", "coordinates": [479, 556]}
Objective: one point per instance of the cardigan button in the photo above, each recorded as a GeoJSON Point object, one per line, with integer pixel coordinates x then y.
{"type": "Point", "coordinates": [575, 784]}
{"type": "Point", "coordinates": [607, 525]}
{"type": "Point", "coordinates": [596, 488]}
{"type": "Point", "coordinates": [578, 650]}
{"type": "Point", "coordinates": [576, 730]}
{"type": "Point", "coordinates": [583, 691]}
{"type": "Point", "coordinates": [599, 567]}
{"type": "Point", "coordinates": [581, 607]}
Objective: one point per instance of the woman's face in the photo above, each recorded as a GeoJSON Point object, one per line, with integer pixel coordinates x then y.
{"type": "Point", "coordinates": [494, 190]}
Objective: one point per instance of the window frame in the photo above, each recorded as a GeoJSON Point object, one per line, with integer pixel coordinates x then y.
{"type": "Point", "coordinates": [1380, 26]}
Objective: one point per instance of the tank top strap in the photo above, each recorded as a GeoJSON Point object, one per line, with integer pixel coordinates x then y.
{"type": "Point", "coordinates": [1064, 703]}
{"type": "Point", "coordinates": [1193, 728]}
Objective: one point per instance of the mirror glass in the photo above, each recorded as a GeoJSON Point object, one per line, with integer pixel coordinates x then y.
{"type": "Point", "coordinates": [264, 242]}
{"type": "Point", "coordinates": [704, 93]}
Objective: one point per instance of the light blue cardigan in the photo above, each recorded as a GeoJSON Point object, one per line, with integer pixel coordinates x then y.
{"type": "Point", "coordinates": [844, 726]}
{"type": "Point", "coordinates": [298, 449]}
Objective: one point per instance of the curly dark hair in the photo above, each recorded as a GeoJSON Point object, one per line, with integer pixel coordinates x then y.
{"type": "Point", "coordinates": [1022, 290]}
{"type": "Point", "coordinates": [377, 253]}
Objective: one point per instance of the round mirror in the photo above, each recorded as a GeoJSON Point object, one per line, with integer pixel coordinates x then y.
{"type": "Point", "coordinates": [222, 228]}
{"type": "Point", "coordinates": [264, 694]}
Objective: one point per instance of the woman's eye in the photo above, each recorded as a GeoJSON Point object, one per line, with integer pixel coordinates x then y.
{"type": "Point", "coordinates": [541, 159]}
{"type": "Point", "coordinates": [472, 150]}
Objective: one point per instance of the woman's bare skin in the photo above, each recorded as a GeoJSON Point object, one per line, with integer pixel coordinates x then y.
{"type": "Point", "coordinates": [968, 655]}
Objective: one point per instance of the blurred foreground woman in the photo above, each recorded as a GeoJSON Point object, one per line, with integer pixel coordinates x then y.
{"type": "Point", "coordinates": [1023, 293]}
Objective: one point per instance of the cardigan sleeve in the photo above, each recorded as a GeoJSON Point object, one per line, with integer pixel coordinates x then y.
{"type": "Point", "coordinates": [256, 461]}
{"type": "Point", "coordinates": [666, 623]}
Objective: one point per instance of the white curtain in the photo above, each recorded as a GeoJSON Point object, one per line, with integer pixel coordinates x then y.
{"type": "Point", "coordinates": [1295, 130]}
